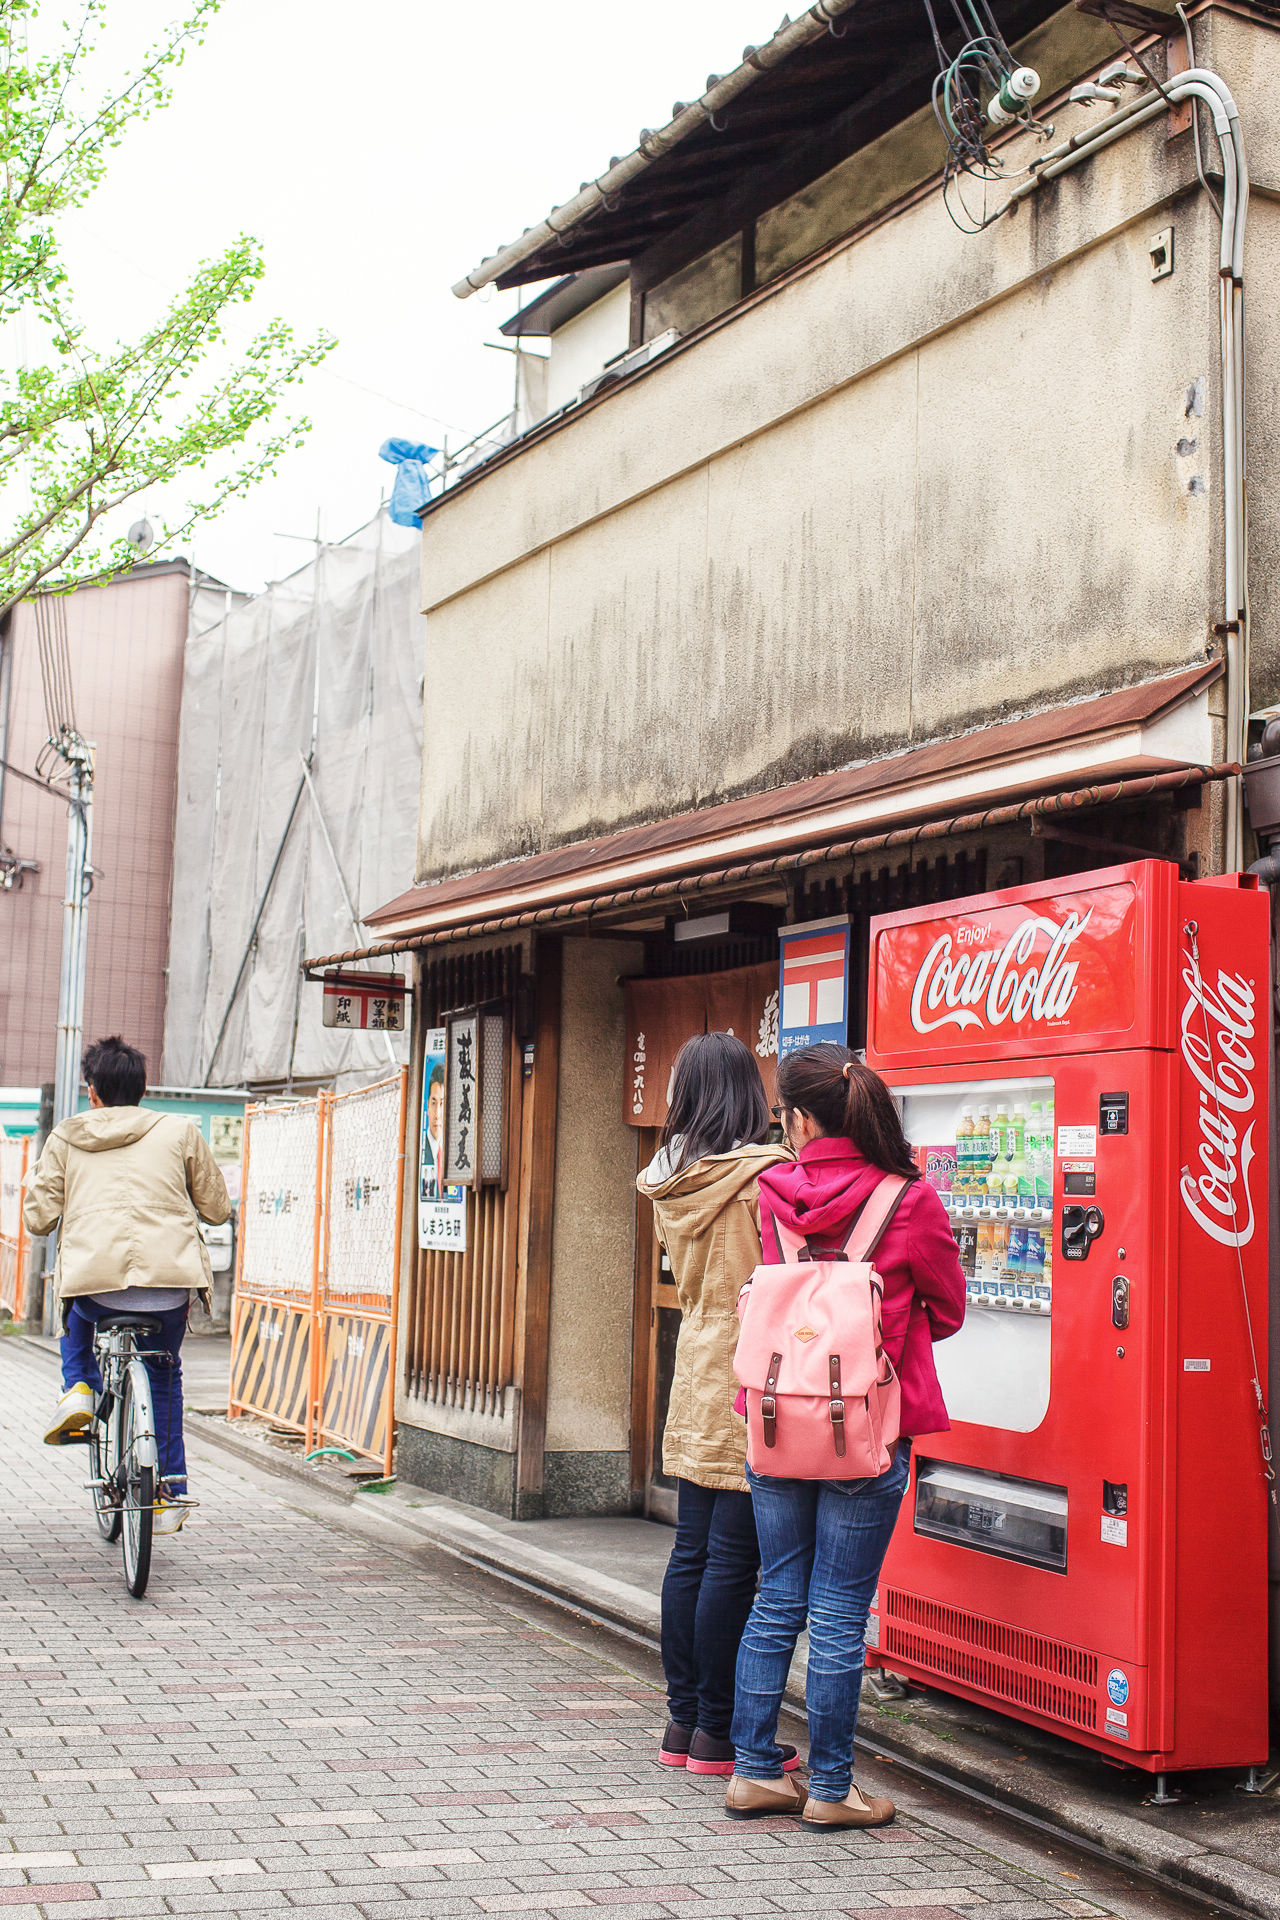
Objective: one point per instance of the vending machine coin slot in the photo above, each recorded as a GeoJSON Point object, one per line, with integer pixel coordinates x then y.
{"type": "Point", "coordinates": [1080, 1228]}
{"type": "Point", "coordinates": [1113, 1113]}
{"type": "Point", "coordinates": [1120, 1301]}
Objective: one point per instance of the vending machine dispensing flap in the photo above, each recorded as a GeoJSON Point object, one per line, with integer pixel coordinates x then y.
{"type": "Point", "coordinates": [1020, 1520]}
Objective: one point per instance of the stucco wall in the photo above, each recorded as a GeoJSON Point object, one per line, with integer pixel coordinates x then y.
{"type": "Point", "coordinates": [593, 1257]}
{"type": "Point", "coordinates": [925, 481]}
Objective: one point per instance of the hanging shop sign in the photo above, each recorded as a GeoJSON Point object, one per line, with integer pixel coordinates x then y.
{"type": "Point", "coordinates": [813, 983]}
{"type": "Point", "coordinates": [442, 1208]}
{"type": "Point", "coordinates": [662, 1014]}
{"type": "Point", "coordinates": [373, 1002]}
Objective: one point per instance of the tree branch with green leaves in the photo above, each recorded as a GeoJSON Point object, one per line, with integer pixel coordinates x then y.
{"type": "Point", "coordinates": [85, 427]}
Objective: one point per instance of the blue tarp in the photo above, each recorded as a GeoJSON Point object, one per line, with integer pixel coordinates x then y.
{"type": "Point", "coordinates": [412, 488]}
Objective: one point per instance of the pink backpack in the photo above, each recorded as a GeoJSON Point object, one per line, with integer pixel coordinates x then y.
{"type": "Point", "coordinates": [823, 1401]}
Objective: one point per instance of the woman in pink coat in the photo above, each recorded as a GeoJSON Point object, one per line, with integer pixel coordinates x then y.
{"type": "Point", "coordinates": [822, 1542]}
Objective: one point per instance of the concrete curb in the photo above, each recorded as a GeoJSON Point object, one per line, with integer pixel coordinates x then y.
{"type": "Point", "coordinates": [1031, 1788]}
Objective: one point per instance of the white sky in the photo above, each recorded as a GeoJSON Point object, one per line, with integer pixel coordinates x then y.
{"type": "Point", "coordinates": [378, 152]}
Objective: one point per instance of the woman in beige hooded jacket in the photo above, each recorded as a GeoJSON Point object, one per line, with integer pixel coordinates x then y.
{"type": "Point", "coordinates": [702, 1183]}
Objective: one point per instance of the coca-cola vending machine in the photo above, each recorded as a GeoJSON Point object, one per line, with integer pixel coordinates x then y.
{"type": "Point", "coordinates": [1083, 1072]}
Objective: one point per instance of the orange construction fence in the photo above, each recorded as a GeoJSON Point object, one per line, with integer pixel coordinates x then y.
{"type": "Point", "coordinates": [15, 1157]}
{"type": "Point", "coordinates": [313, 1323]}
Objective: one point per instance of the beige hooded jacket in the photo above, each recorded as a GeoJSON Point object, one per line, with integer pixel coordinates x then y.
{"type": "Point", "coordinates": [127, 1184]}
{"type": "Point", "coordinates": [708, 1220]}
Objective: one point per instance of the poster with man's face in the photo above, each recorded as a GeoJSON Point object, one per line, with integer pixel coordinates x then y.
{"type": "Point", "coordinates": [442, 1209]}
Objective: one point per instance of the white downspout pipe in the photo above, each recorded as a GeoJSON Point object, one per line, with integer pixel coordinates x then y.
{"type": "Point", "coordinates": [1200, 83]}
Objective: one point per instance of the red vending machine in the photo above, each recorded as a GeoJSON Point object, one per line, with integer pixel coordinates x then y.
{"type": "Point", "coordinates": [1083, 1067]}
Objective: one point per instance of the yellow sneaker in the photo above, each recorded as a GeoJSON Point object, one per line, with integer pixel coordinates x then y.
{"type": "Point", "coordinates": [75, 1411]}
{"type": "Point", "coordinates": [170, 1515]}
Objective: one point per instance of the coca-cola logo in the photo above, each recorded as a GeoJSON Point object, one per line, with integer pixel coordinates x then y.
{"type": "Point", "coordinates": [1217, 1032]}
{"type": "Point", "coordinates": [951, 987]}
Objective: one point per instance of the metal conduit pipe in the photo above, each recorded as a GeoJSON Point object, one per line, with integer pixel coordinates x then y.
{"type": "Point", "coordinates": [653, 145]}
{"type": "Point", "coordinates": [1202, 84]}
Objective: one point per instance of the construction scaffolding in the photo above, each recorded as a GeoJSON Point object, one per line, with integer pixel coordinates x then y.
{"type": "Point", "coordinates": [297, 810]}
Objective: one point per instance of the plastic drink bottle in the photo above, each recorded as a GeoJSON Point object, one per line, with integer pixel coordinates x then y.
{"type": "Point", "coordinates": [995, 1272]}
{"type": "Point", "coordinates": [982, 1149]}
{"type": "Point", "coordinates": [1019, 1128]}
{"type": "Point", "coordinates": [1044, 1183]}
{"type": "Point", "coordinates": [1035, 1142]}
{"type": "Point", "coordinates": [1044, 1280]}
{"type": "Point", "coordinates": [964, 1151]}
{"type": "Point", "coordinates": [1000, 1135]}
{"type": "Point", "coordinates": [1032, 1266]}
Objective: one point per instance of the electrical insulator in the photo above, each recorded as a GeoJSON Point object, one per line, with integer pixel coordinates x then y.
{"type": "Point", "coordinates": [1016, 90]}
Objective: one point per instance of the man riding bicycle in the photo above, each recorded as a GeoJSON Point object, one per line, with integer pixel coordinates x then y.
{"type": "Point", "coordinates": [127, 1184]}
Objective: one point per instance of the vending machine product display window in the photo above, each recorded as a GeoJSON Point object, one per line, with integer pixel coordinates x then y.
{"type": "Point", "coordinates": [987, 1146]}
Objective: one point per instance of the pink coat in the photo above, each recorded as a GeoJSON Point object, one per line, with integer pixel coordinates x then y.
{"type": "Point", "coordinates": [924, 1287]}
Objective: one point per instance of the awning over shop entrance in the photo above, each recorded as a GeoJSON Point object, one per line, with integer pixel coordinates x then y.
{"type": "Point", "coordinates": [1142, 740]}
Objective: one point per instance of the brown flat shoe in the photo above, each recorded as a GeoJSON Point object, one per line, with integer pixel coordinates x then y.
{"type": "Point", "coordinates": [855, 1810]}
{"type": "Point", "coordinates": [750, 1799]}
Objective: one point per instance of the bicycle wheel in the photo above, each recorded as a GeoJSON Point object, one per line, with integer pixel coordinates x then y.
{"type": "Point", "coordinates": [139, 1483]}
{"type": "Point", "coordinates": [104, 1452]}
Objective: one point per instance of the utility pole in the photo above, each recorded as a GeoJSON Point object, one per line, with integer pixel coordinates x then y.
{"type": "Point", "coordinates": [75, 928]}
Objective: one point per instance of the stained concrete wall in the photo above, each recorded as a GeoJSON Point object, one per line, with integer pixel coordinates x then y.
{"type": "Point", "coordinates": [924, 481]}
{"type": "Point", "coordinates": [587, 1468]}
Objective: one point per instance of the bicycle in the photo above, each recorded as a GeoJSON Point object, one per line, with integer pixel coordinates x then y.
{"type": "Point", "coordinates": [123, 1453]}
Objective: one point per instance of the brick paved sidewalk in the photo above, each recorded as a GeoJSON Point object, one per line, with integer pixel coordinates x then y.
{"type": "Point", "coordinates": [296, 1718]}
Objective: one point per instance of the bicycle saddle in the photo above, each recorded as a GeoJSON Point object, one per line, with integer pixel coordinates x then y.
{"type": "Point", "coordinates": [140, 1322]}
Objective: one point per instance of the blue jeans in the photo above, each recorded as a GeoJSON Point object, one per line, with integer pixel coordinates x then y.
{"type": "Point", "coordinates": [80, 1363]}
{"type": "Point", "coordinates": [822, 1544]}
{"type": "Point", "coordinates": [706, 1596]}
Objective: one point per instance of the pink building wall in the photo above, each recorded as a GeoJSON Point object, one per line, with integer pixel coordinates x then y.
{"type": "Point", "coordinates": [126, 643]}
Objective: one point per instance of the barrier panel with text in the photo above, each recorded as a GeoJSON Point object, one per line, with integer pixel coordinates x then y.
{"type": "Point", "coordinates": [313, 1324]}
{"type": "Point", "coordinates": [273, 1315]}
{"type": "Point", "coordinates": [359, 1268]}
{"type": "Point", "coordinates": [14, 1246]}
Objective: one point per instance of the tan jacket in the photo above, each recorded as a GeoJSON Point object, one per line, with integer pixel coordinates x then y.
{"type": "Point", "coordinates": [708, 1220]}
{"type": "Point", "coordinates": [127, 1184]}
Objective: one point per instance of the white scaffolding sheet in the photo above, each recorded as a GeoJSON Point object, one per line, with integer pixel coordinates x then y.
{"type": "Point", "coordinates": [333, 654]}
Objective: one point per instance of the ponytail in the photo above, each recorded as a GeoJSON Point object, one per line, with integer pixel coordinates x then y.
{"type": "Point", "coordinates": [847, 1099]}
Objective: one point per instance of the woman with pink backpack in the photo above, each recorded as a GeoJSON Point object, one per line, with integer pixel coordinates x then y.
{"type": "Point", "coordinates": [835, 1355]}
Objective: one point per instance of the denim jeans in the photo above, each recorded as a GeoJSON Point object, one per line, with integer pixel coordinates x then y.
{"type": "Point", "coordinates": [706, 1597]}
{"type": "Point", "coordinates": [822, 1544]}
{"type": "Point", "coordinates": [80, 1363]}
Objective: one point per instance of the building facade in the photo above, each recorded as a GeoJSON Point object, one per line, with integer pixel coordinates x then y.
{"type": "Point", "coordinates": [125, 643]}
{"type": "Point", "coordinates": [883, 563]}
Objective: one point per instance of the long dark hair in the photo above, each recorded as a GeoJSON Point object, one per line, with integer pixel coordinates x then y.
{"type": "Point", "coordinates": [717, 1099]}
{"type": "Point", "coordinates": [833, 1087]}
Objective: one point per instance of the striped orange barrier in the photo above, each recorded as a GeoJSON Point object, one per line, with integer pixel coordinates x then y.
{"type": "Point", "coordinates": [274, 1351]}
{"type": "Point", "coordinates": [359, 1267]}
{"type": "Point", "coordinates": [15, 1157]}
{"type": "Point", "coordinates": [313, 1323]}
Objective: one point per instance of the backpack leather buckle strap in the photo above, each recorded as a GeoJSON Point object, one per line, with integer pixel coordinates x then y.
{"type": "Point", "coordinates": [769, 1405]}
{"type": "Point", "coordinates": [835, 1407]}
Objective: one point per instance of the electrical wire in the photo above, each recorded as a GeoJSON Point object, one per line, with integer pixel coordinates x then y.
{"type": "Point", "coordinates": [982, 65]}
{"type": "Point", "coordinates": [54, 648]}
